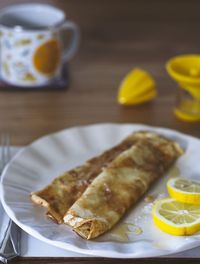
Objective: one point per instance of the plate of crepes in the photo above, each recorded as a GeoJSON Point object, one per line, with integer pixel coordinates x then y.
{"type": "Point", "coordinates": [110, 190]}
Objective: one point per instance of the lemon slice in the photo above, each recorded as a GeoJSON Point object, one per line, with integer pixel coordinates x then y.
{"type": "Point", "coordinates": [184, 190]}
{"type": "Point", "coordinates": [176, 218]}
{"type": "Point", "coordinates": [137, 87]}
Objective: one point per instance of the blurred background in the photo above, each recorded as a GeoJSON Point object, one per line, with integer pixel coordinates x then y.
{"type": "Point", "coordinates": [116, 36]}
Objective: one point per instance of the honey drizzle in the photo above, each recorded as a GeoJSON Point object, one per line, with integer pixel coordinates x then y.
{"type": "Point", "coordinates": [121, 231]}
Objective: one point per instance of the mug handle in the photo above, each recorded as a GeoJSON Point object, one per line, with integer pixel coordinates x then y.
{"type": "Point", "coordinates": [70, 51]}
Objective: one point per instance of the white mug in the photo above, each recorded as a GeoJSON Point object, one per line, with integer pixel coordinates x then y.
{"type": "Point", "coordinates": [32, 51]}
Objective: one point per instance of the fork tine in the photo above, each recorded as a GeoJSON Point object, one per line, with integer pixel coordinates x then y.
{"type": "Point", "coordinates": [10, 239]}
{"type": "Point", "coordinates": [5, 151]}
{"type": "Point", "coordinates": [2, 151]}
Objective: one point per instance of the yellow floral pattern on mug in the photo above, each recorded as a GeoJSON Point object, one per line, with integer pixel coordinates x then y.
{"type": "Point", "coordinates": [23, 42]}
{"type": "Point", "coordinates": [30, 58]}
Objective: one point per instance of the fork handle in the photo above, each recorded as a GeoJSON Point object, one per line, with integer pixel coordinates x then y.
{"type": "Point", "coordinates": [10, 247]}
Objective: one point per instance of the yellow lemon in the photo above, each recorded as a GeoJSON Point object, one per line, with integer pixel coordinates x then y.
{"type": "Point", "coordinates": [184, 190]}
{"type": "Point", "coordinates": [47, 57]}
{"type": "Point", "coordinates": [176, 218]}
{"type": "Point", "coordinates": [137, 87]}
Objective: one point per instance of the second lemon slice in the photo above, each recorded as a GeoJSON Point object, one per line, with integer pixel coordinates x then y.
{"type": "Point", "coordinates": [176, 218]}
{"type": "Point", "coordinates": [184, 190]}
{"type": "Point", "coordinates": [137, 87]}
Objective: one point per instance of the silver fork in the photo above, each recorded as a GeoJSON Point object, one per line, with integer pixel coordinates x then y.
{"type": "Point", "coordinates": [9, 232]}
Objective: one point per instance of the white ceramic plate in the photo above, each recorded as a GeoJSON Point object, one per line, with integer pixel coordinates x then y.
{"type": "Point", "coordinates": [36, 165]}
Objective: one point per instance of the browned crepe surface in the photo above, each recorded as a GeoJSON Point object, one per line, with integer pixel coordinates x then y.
{"type": "Point", "coordinates": [120, 185]}
{"type": "Point", "coordinates": [62, 192]}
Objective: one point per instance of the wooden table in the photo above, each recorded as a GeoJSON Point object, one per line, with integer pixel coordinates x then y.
{"type": "Point", "coordinates": [117, 35]}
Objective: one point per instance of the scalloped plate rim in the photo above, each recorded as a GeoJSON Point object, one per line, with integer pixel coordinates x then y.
{"type": "Point", "coordinates": [67, 246]}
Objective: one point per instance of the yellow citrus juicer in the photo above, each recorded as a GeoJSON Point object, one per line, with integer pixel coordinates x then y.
{"type": "Point", "coordinates": [185, 70]}
{"type": "Point", "coordinates": [136, 88]}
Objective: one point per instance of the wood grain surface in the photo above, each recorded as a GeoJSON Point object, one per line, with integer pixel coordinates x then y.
{"type": "Point", "coordinates": [116, 36]}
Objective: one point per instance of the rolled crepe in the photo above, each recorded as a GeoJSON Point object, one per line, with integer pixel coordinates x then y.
{"type": "Point", "coordinates": [59, 195]}
{"type": "Point", "coordinates": [120, 185]}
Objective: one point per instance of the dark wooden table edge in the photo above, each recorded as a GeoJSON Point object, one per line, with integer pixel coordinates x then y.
{"type": "Point", "coordinates": [97, 260]}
